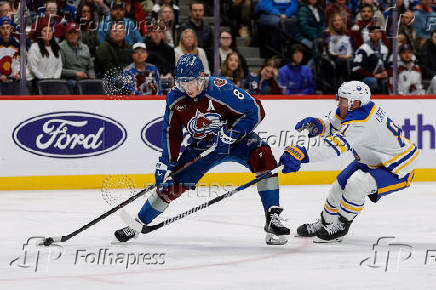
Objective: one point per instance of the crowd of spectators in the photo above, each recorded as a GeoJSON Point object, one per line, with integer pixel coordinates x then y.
{"type": "Point", "coordinates": [308, 46]}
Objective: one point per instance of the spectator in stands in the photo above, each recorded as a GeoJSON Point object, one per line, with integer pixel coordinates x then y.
{"type": "Point", "coordinates": [166, 18]}
{"type": "Point", "coordinates": [227, 45]}
{"type": "Point", "coordinates": [51, 14]}
{"type": "Point", "coordinates": [340, 6]}
{"type": "Point", "coordinates": [359, 31]}
{"type": "Point", "coordinates": [406, 28]}
{"type": "Point", "coordinates": [88, 27]}
{"type": "Point", "coordinates": [241, 14]}
{"type": "Point", "coordinates": [204, 33]}
{"type": "Point", "coordinates": [44, 58]}
{"type": "Point", "coordinates": [264, 82]}
{"type": "Point", "coordinates": [5, 9]}
{"type": "Point", "coordinates": [425, 21]}
{"type": "Point", "coordinates": [67, 10]}
{"type": "Point", "coordinates": [378, 16]}
{"type": "Point", "coordinates": [232, 69]}
{"type": "Point", "coordinates": [144, 76]}
{"type": "Point", "coordinates": [115, 52]}
{"type": "Point", "coordinates": [310, 22]}
{"type": "Point", "coordinates": [409, 74]}
{"type": "Point", "coordinates": [295, 78]}
{"type": "Point", "coordinates": [160, 53]}
{"type": "Point", "coordinates": [117, 13]}
{"type": "Point", "coordinates": [339, 50]}
{"type": "Point", "coordinates": [136, 13]}
{"type": "Point", "coordinates": [432, 88]}
{"type": "Point", "coordinates": [427, 57]}
{"type": "Point", "coordinates": [370, 62]}
{"type": "Point", "coordinates": [9, 52]}
{"type": "Point", "coordinates": [189, 45]}
{"type": "Point", "coordinates": [76, 59]}
{"type": "Point", "coordinates": [158, 6]}
{"type": "Point", "coordinates": [273, 12]}
{"type": "Point", "coordinates": [98, 9]}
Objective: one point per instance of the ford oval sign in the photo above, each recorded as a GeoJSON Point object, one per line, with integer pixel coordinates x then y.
{"type": "Point", "coordinates": [151, 134]}
{"type": "Point", "coordinates": [69, 135]}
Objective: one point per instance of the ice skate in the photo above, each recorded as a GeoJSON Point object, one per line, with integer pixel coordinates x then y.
{"type": "Point", "coordinates": [333, 232]}
{"type": "Point", "coordinates": [125, 234]}
{"type": "Point", "coordinates": [310, 230]}
{"type": "Point", "coordinates": [277, 233]}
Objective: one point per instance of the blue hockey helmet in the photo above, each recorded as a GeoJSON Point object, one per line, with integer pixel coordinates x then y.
{"type": "Point", "coordinates": [189, 65]}
{"type": "Point", "coordinates": [189, 69]}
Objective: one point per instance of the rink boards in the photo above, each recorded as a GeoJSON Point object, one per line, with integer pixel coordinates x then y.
{"type": "Point", "coordinates": [75, 142]}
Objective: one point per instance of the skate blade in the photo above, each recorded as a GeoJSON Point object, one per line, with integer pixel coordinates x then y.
{"type": "Point", "coordinates": [300, 236]}
{"type": "Point", "coordinates": [321, 241]}
{"type": "Point", "coordinates": [272, 239]}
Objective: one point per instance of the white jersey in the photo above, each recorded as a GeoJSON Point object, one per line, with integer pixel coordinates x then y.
{"type": "Point", "coordinates": [372, 136]}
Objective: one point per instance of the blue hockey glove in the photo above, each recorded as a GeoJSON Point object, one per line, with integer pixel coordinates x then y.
{"type": "Point", "coordinates": [315, 126]}
{"type": "Point", "coordinates": [163, 172]}
{"type": "Point", "coordinates": [226, 138]}
{"type": "Point", "coordinates": [292, 158]}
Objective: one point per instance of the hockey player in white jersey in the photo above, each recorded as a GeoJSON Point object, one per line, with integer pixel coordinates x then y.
{"type": "Point", "coordinates": [384, 159]}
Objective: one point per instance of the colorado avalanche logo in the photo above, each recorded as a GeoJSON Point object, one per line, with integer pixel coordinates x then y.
{"type": "Point", "coordinates": [204, 124]}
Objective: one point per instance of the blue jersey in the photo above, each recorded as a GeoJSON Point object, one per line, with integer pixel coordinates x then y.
{"type": "Point", "coordinates": [146, 82]}
{"type": "Point", "coordinates": [220, 100]}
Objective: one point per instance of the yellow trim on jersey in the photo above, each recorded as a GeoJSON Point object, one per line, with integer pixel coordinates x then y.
{"type": "Point", "coordinates": [339, 144]}
{"type": "Point", "coordinates": [323, 126]}
{"type": "Point", "coordinates": [347, 206]}
{"type": "Point", "coordinates": [397, 186]}
{"type": "Point", "coordinates": [408, 162]}
{"type": "Point", "coordinates": [330, 209]}
{"type": "Point", "coordinates": [339, 117]}
{"type": "Point", "coordinates": [385, 164]}
{"type": "Point", "coordinates": [364, 120]}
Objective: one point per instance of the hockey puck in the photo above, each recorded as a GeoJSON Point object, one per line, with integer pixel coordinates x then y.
{"type": "Point", "coordinates": [48, 241]}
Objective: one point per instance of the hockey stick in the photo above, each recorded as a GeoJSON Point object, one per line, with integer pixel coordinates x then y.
{"type": "Point", "coordinates": [146, 228]}
{"type": "Point", "coordinates": [50, 240]}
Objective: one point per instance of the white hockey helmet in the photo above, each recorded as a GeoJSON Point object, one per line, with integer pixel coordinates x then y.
{"type": "Point", "coordinates": [354, 91]}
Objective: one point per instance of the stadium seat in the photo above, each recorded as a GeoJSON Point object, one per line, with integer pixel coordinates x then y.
{"type": "Point", "coordinates": [12, 88]}
{"type": "Point", "coordinates": [90, 87]}
{"type": "Point", "coordinates": [53, 87]}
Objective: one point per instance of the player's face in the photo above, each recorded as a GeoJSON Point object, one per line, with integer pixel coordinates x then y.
{"type": "Point", "coordinates": [192, 87]}
{"type": "Point", "coordinates": [343, 107]}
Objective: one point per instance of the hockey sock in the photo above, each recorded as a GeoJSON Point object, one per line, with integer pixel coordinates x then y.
{"type": "Point", "coordinates": [153, 207]}
{"type": "Point", "coordinates": [269, 192]}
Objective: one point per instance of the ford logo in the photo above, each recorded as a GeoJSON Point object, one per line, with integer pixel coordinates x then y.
{"type": "Point", "coordinates": [151, 134]}
{"type": "Point", "coordinates": [69, 135]}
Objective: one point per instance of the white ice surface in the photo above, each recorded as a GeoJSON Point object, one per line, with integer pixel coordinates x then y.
{"type": "Point", "coordinates": [221, 247]}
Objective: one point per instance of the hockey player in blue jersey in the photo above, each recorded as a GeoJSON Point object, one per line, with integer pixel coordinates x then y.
{"type": "Point", "coordinates": [384, 159]}
{"type": "Point", "coordinates": [214, 112]}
